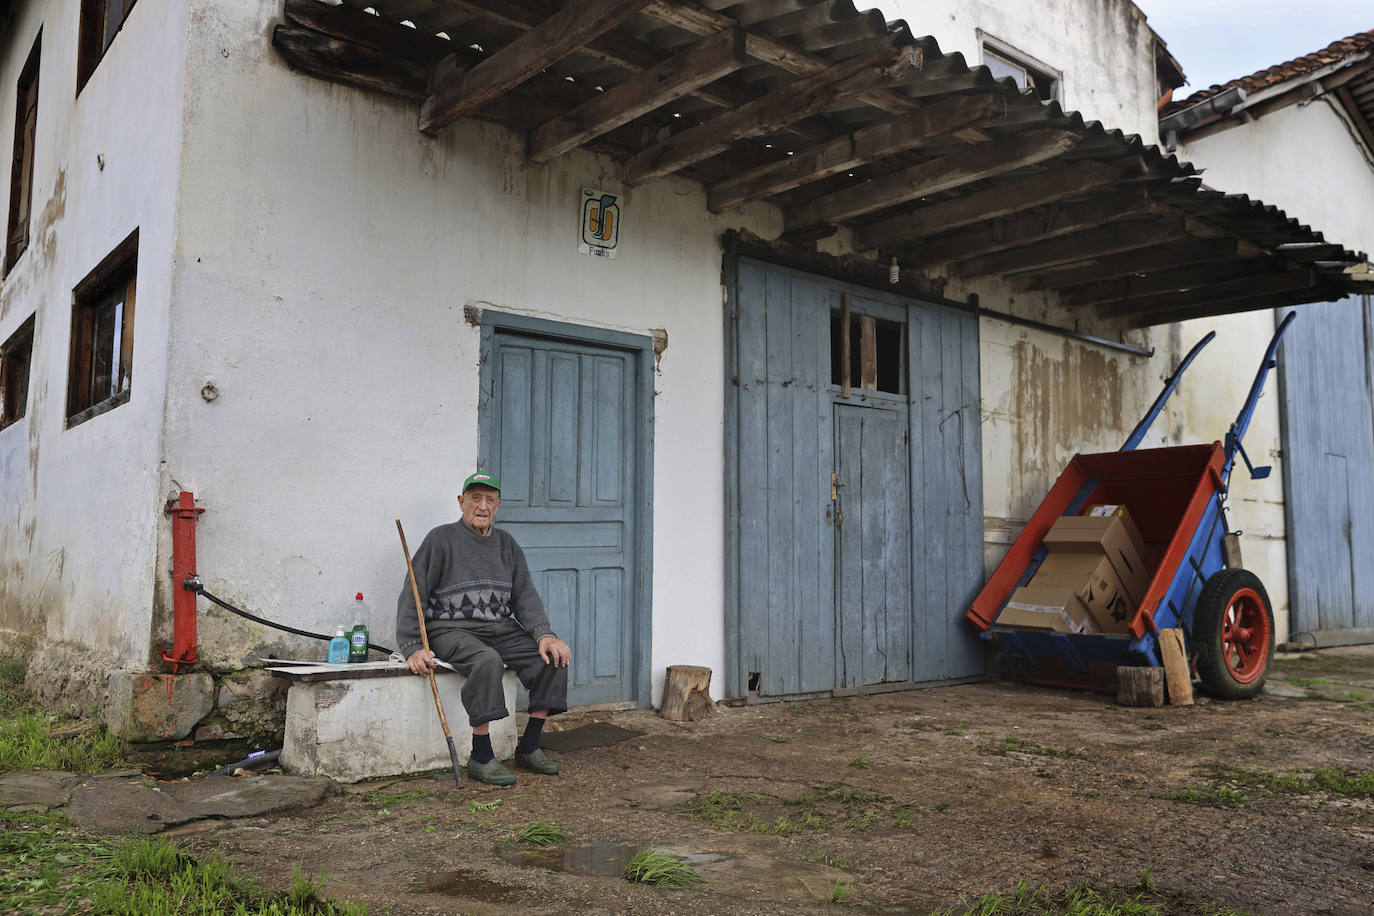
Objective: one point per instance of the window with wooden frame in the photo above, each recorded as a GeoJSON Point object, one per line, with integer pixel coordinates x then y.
{"type": "Point", "coordinates": [101, 21]}
{"type": "Point", "coordinates": [1003, 61]}
{"type": "Point", "coordinates": [16, 355]}
{"type": "Point", "coordinates": [21, 170]}
{"type": "Point", "coordinates": [102, 347]}
{"type": "Point", "coordinates": [866, 352]}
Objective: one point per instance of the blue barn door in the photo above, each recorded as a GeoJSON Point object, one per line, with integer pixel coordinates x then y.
{"type": "Point", "coordinates": [560, 430]}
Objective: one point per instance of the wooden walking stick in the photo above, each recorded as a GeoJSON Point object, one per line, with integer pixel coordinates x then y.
{"type": "Point", "coordinates": [424, 639]}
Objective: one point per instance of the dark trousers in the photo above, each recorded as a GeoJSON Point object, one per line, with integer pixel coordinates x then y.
{"type": "Point", "coordinates": [482, 650]}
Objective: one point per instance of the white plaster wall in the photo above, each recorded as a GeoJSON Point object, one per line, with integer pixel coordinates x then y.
{"type": "Point", "coordinates": [1311, 167]}
{"type": "Point", "coordinates": [78, 506]}
{"type": "Point", "coordinates": [1103, 48]}
{"type": "Point", "coordinates": [324, 258]}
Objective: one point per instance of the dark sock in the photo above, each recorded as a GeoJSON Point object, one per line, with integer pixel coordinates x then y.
{"type": "Point", "coordinates": [529, 742]}
{"type": "Point", "coordinates": [481, 749]}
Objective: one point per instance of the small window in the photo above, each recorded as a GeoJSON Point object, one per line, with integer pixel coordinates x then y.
{"type": "Point", "coordinates": [101, 20]}
{"type": "Point", "coordinates": [15, 358]}
{"type": "Point", "coordinates": [102, 348]}
{"type": "Point", "coordinates": [875, 353]}
{"type": "Point", "coordinates": [21, 169]}
{"type": "Point", "coordinates": [1003, 62]}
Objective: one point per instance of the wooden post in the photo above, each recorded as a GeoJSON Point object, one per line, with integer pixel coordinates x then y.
{"type": "Point", "coordinates": [1139, 686]}
{"type": "Point", "coordinates": [686, 694]}
{"type": "Point", "coordinates": [1176, 673]}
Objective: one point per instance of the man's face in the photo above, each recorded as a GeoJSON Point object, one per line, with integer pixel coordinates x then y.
{"type": "Point", "coordinates": [479, 505]}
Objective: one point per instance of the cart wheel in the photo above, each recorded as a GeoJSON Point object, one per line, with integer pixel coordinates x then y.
{"type": "Point", "coordinates": [1233, 634]}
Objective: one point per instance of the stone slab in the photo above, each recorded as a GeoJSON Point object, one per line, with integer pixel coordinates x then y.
{"type": "Point", "coordinates": [157, 707]}
{"type": "Point", "coordinates": [363, 728]}
{"type": "Point", "coordinates": [125, 804]}
{"type": "Point", "coordinates": [43, 788]}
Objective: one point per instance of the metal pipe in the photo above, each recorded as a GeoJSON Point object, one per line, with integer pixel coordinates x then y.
{"type": "Point", "coordinates": [183, 513]}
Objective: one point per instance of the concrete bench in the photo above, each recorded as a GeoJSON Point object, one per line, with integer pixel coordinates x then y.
{"type": "Point", "coordinates": [359, 721]}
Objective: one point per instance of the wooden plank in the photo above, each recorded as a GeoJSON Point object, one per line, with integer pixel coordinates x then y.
{"type": "Point", "coordinates": [1247, 287]}
{"type": "Point", "coordinates": [1163, 257]}
{"type": "Point", "coordinates": [351, 64]}
{"type": "Point", "coordinates": [846, 347]}
{"type": "Point", "coordinates": [460, 94]}
{"type": "Point", "coordinates": [1178, 679]}
{"type": "Point", "coordinates": [793, 102]}
{"type": "Point", "coordinates": [1134, 286]}
{"type": "Point", "coordinates": [868, 353]}
{"type": "Point", "coordinates": [1074, 248]}
{"type": "Point", "coordinates": [769, 50]}
{"type": "Point", "coordinates": [847, 152]}
{"type": "Point", "coordinates": [352, 24]}
{"type": "Point", "coordinates": [704, 62]}
{"type": "Point", "coordinates": [1139, 686]}
{"type": "Point", "coordinates": [1328, 293]}
{"type": "Point", "coordinates": [978, 206]}
{"type": "Point", "coordinates": [1028, 227]}
{"type": "Point", "coordinates": [946, 173]}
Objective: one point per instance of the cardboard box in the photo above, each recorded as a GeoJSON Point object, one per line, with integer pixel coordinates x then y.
{"type": "Point", "coordinates": [1055, 609]}
{"type": "Point", "coordinates": [1114, 536]}
{"type": "Point", "coordinates": [1093, 579]}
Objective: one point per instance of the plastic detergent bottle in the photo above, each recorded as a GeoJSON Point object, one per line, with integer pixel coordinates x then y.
{"type": "Point", "coordinates": [357, 640]}
{"type": "Point", "coordinates": [338, 648]}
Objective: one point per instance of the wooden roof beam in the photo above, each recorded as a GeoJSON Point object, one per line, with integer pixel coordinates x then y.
{"type": "Point", "coordinates": [1151, 260]}
{"type": "Point", "coordinates": [1133, 287]}
{"type": "Point", "coordinates": [350, 23]}
{"type": "Point", "coordinates": [946, 173]}
{"type": "Point", "coordinates": [1256, 302]}
{"type": "Point", "coordinates": [704, 62]}
{"type": "Point", "coordinates": [455, 94]}
{"type": "Point", "coordinates": [1248, 287]}
{"type": "Point", "coordinates": [341, 61]}
{"type": "Point", "coordinates": [847, 152]}
{"type": "Point", "coordinates": [793, 102]}
{"type": "Point", "coordinates": [1071, 249]}
{"type": "Point", "coordinates": [1027, 228]}
{"type": "Point", "coordinates": [977, 206]}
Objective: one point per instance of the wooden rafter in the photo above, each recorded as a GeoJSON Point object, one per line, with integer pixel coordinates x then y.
{"type": "Point", "coordinates": [978, 206]}
{"type": "Point", "coordinates": [866, 145]}
{"type": "Point", "coordinates": [1028, 227]}
{"type": "Point", "coordinates": [1248, 287]}
{"type": "Point", "coordinates": [1161, 257]}
{"type": "Point", "coordinates": [793, 102]}
{"type": "Point", "coordinates": [706, 61]}
{"type": "Point", "coordinates": [1328, 293]}
{"type": "Point", "coordinates": [1071, 249]}
{"type": "Point", "coordinates": [350, 63]}
{"type": "Point", "coordinates": [458, 93]}
{"type": "Point", "coordinates": [946, 173]}
{"type": "Point", "coordinates": [1131, 288]}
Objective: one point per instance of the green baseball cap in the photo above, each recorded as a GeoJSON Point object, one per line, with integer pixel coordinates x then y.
{"type": "Point", "coordinates": [484, 479]}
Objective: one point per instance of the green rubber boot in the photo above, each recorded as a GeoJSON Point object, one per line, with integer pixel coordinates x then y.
{"type": "Point", "coordinates": [537, 761]}
{"type": "Point", "coordinates": [493, 773]}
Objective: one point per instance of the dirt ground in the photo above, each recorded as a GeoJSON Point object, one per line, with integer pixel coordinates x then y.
{"type": "Point", "coordinates": [892, 802]}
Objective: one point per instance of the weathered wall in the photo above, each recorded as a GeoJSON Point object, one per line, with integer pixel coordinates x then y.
{"type": "Point", "coordinates": [77, 506]}
{"type": "Point", "coordinates": [1103, 48]}
{"type": "Point", "coordinates": [1311, 168]}
{"type": "Point", "coordinates": [323, 263]}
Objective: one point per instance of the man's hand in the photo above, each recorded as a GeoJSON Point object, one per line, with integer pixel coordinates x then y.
{"type": "Point", "coordinates": [554, 651]}
{"type": "Point", "coordinates": [421, 661]}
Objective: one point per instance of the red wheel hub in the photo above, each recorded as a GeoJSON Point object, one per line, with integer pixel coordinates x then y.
{"type": "Point", "coordinates": [1245, 636]}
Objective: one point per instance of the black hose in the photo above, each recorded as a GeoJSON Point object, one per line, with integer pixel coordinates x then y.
{"type": "Point", "coordinates": [253, 761]}
{"type": "Point", "coordinates": [195, 585]}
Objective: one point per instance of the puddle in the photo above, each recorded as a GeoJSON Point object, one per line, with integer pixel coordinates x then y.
{"type": "Point", "coordinates": [466, 884]}
{"type": "Point", "coordinates": [602, 859]}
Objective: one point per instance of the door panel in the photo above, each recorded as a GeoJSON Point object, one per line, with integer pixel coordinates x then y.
{"type": "Point", "coordinates": [561, 426]}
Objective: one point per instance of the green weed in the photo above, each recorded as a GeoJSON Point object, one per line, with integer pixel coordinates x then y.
{"type": "Point", "coordinates": [861, 763]}
{"type": "Point", "coordinates": [1232, 786]}
{"type": "Point", "coordinates": [387, 798]}
{"type": "Point", "coordinates": [541, 833]}
{"type": "Point", "coordinates": [1086, 900]}
{"type": "Point", "coordinates": [957, 730]}
{"type": "Point", "coordinates": [778, 739]}
{"type": "Point", "coordinates": [27, 743]}
{"type": "Point", "coordinates": [661, 868]}
{"type": "Point", "coordinates": [1012, 744]}
{"type": "Point", "coordinates": [841, 862]}
{"type": "Point", "coordinates": [475, 806]}
{"type": "Point", "coordinates": [838, 890]}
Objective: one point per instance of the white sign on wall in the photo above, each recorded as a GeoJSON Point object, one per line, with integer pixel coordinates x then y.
{"type": "Point", "coordinates": [599, 233]}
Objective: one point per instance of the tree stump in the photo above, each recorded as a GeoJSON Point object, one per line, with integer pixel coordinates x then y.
{"type": "Point", "coordinates": [686, 694]}
{"type": "Point", "coordinates": [1139, 686]}
{"type": "Point", "coordinates": [1176, 673]}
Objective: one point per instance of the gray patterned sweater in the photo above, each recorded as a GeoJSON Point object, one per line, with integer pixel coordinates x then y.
{"type": "Point", "coordinates": [465, 576]}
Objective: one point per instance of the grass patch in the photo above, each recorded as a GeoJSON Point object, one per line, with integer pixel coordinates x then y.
{"type": "Point", "coordinates": [660, 868]}
{"type": "Point", "coordinates": [838, 890]}
{"type": "Point", "coordinates": [1230, 787]}
{"type": "Point", "coordinates": [1012, 744]}
{"type": "Point", "coordinates": [834, 807]}
{"type": "Point", "coordinates": [475, 806]}
{"type": "Point", "coordinates": [386, 798]}
{"type": "Point", "coordinates": [861, 763]}
{"type": "Point", "coordinates": [541, 833]}
{"type": "Point", "coordinates": [1086, 900]}
{"type": "Point", "coordinates": [779, 739]}
{"type": "Point", "coordinates": [31, 737]}
{"type": "Point", "coordinates": [46, 865]}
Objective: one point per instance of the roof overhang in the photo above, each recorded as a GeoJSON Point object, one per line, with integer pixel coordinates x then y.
{"type": "Point", "coordinates": [841, 120]}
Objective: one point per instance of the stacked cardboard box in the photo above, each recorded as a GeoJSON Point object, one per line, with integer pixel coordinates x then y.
{"type": "Point", "coordinates": [1092, 581]}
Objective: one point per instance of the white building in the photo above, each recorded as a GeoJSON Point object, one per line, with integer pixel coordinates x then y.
{"type": "Point", "coordinates": [339, 315]}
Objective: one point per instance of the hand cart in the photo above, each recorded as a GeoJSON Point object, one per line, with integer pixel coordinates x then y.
{"type": "Point", "coordinates": [1175, 496]}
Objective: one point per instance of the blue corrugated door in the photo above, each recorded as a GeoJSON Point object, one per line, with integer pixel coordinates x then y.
{"type": "Point", "coordinates": [561, 435]}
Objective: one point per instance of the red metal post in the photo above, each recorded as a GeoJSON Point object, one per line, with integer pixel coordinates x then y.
{"type": "Point", "coordinates": [183, 514]}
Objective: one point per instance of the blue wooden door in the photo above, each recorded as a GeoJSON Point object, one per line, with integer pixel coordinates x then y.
{"type": "Point", "coordinates": [872, 545]}
{"type": "Point", "coordinates": [561, 435]}
{"type": "Point", "coordinates": [1326, 378]}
